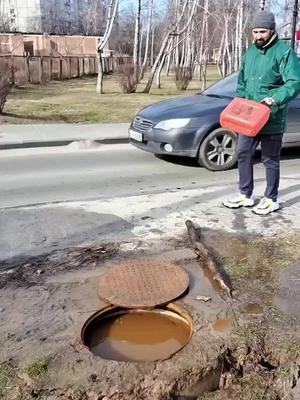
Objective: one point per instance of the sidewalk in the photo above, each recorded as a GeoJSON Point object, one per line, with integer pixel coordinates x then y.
{"type": "Point", "coordinates": [45, 135]}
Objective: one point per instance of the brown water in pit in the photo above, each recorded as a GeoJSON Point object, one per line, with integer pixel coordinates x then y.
{"type": "Point", "coordinates": [137, 335]}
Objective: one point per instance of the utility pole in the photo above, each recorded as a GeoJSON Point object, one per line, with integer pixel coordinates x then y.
{"type": "Point", "coordinates": [295, 17]}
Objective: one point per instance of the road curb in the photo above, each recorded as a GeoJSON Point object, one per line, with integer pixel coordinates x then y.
{"type": "Point", "coordinates": [54, 143]}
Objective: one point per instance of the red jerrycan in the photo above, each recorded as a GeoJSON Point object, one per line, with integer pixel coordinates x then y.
{"type": "Point", "coordinates": [245, 117]}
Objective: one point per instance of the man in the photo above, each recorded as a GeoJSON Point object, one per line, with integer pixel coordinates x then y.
{"type": "Point", "coordinates": [270, 74]}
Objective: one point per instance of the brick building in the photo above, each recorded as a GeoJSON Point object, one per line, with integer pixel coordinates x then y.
{"type": "Point", "coordinates": [48, 45]}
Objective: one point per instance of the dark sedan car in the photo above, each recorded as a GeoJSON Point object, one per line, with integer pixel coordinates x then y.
{"type": "Point", "coordinates": [189, 126]}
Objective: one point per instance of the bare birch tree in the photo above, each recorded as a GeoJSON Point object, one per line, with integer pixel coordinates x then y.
{"type": "Point", "coordinates": [149, 25]}
{"type": "Point", "coordinates": [158, 75]}
{"type": "Point", "coordinates": [171, 32]}
{"type": "Point", "coordinates": [191, 34]}
{"type": "Point", "coordinates": [152, 47]}
{"type": "Point", "coordinates": [204, 46]}
{"type": "Point", "coordinates": [112, 8]}
{"type": "Point", "coordinates": [137, 38]}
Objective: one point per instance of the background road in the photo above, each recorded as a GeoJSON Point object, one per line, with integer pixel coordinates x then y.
{"type": "Point", "coordinates": [52, 198]}
{"type": "Point", "coordinates": [61, 174]}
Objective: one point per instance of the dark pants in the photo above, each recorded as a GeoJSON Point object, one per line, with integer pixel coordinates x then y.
{"type": "Point", "coordinates": [270, 155]}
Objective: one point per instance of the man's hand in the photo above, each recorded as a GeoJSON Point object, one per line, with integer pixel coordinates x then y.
{"type": "Point", "coordinates": [268, 101]}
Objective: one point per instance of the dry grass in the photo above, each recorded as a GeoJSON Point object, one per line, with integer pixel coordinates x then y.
{"type": "Point", "coordinates": [75, 101]}
{"type": "Point", "coordinates": [257, 258]}
{"type": "Point", "coordinates": [7, 375]}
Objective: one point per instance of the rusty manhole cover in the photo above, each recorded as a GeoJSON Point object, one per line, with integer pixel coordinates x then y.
{"type": "Point", "coordinates": [142, 284]}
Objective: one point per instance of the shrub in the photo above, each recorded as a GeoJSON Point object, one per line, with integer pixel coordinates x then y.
{"type": "Point", "coordinates": [128, 80]}
{"type": "Point", "coordinates": [183, 76]}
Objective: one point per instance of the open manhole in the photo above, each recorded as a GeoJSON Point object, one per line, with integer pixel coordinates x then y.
{"type": "Point", "coordinates": [115, 333]}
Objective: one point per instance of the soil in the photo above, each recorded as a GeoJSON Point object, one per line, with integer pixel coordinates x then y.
{"type": "Point", "coordinates": [247, 345]}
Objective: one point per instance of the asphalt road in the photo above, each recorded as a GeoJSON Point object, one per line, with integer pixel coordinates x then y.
{"type": "Point", "coordinates": [39, 176]}
{"type": "Point", "coordinates": [58, 197]}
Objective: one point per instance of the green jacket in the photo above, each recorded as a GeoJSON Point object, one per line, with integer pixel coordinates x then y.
{"type": "Point", "coordinates": [273, 71]}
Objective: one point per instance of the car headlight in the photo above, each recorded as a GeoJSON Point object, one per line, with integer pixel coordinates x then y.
{"type": "Point", "coordinates": [172, 123]}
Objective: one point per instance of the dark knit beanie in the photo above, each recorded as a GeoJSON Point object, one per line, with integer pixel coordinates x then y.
{"type": "Point", "coordinates": [263, 19]}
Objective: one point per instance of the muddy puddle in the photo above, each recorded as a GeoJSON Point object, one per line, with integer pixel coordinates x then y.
{"type": "Point", "coordinates": [137, 335]}
{"type": "Point", "coordinates": [222, 324]}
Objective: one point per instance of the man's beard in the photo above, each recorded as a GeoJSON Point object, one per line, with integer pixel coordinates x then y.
{"type": "Point", "coordinates": [261, 43]}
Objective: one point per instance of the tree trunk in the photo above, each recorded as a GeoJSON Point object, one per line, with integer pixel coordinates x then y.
{"type": "Point", "coordinates": [241, 32]}
{"type": "Point", "coordinates": [188, 54]}
{"type": "Point", "coordinates": [183, 52]}
{"type": "Point", "coordinates": [236, 41]}
{"type": "Point", "coordinates": [219, 61]}
{"type": "Point", "coordinates": [99, 89]}
{"type": "Point", "coordinates": [228, 56]}
{"type": "Point", "coordinates": [176, 50]}
{"type": "Point", "coordinates": [204, 46]}
{"type": "Point", "coordinates": [152, 48]}
{"type": "Point", "coordinates": [156, 63]}
{"type": "Point", "coordinates": [204, 73]}
{"type": "Point", "coordinates": [158, 83]}
{"type": "Point", "coordinates": [137, 38]}
{"type": "Point", "coordinates": [170, 57]}
{"type": "Point", "coordinates": [144, 65]}
{"type": "Point", "coordinates": [112, 9]}
{"type": "Point", "coordinates": [224, 60]}
{"type": "Point", "coordinates": [140, 50]}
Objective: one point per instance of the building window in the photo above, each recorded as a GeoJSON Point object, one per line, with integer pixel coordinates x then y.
{"type": "Point", "coordinates": [12, 10]}
{"type": "Point", "coordinates": [12, 20]}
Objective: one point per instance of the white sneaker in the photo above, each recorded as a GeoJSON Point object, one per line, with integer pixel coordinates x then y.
{"type": "Point", "coordinates": [266, 206]}
{"type": "Point", "coordinates": [239, 201]}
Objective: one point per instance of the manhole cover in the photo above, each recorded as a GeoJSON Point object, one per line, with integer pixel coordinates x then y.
{"type": "Point", "coordinates": [142, 284]}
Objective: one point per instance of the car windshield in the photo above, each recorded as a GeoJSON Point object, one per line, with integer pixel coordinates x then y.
{"type": "Point", "coordinates": [223, 88]}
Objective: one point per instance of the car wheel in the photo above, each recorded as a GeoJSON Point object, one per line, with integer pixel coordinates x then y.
{"type": "Point", "coordinates": [218, 151]}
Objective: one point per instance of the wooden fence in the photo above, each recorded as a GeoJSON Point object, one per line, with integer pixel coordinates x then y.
{"type": "Point", "coordinates": [41, 69]}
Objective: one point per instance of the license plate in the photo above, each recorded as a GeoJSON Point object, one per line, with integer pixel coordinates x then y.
{"type": "Point", "coordinates": [135, 135]}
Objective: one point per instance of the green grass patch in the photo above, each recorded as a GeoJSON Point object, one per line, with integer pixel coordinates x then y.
{"type": "Point", "coordinates": [38, 366]}
{"type": "Point", "coordinates": [76, 101]}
